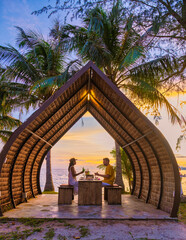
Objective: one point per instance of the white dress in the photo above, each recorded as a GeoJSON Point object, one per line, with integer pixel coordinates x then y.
{"type": "Point", "coordinates": [72, 181]}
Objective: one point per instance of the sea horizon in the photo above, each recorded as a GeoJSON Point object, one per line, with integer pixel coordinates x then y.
{"type": "Point", "coordinates": [60, 173]}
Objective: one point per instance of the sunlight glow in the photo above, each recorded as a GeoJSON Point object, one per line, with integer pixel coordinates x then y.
{"type": "Point", "coordinates": [88, 96]}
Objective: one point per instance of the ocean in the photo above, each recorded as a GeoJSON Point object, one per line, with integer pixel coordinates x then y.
{"type": "Point", "coordinates": [60, 176]}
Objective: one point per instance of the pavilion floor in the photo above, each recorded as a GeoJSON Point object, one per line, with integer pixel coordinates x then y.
{"type": "Point", "coordinates": [46, 206]}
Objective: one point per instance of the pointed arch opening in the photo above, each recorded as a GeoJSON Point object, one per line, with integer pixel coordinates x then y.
{"type": "Point", "coordinates": [155, 168]}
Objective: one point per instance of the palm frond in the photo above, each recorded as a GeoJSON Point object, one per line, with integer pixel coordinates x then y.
{"type": "Point", "coordinates": [101, 166]}
{"type": "Point", "coordinates": [17, 65]}
{"type": "Point", "coordinates": [96, 51]}
{"type": "Point", "coordinates": [95, 20]}
{"type": "Point", "coordinates": [27, 40]}
{"type": "Point", "coordinates": [59, 80]}
{"type": "Point", "coordinates": [125, 164]}
{"type": "Point", "coordinates": [8, 122]}
{"type": "Point", "coordinates": [151, 96]}
{"type": "Point", "coordinates": [132, 55]}
{"type": "Point", "coordinates": [4, 135]}
{"type": "Point", "coordinates": [154, 71]}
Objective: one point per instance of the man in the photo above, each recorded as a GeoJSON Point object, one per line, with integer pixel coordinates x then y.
{"type": "Point", "coordinates": [109, 175]}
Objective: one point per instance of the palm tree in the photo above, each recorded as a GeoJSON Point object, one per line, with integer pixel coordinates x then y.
{"type": "Point", "coordinates": [111, 41]}
{"type": "Point", "coordinates": [7, 123]}
{"type": "Point", "coordinates": [11, 95]}
{"type": "Point", "coordinates": [125, 166]}
{"type": "Point", "coordinates": [36, 60]}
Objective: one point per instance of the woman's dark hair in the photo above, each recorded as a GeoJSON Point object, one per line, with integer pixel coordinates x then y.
{"type": "Point", "coordinates": [71, 163]}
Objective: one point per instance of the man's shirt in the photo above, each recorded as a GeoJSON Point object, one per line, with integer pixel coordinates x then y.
{"type": "Point", "coordinates": [109, 171]}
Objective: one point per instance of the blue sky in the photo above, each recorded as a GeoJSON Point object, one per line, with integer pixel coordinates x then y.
{"type": "Point", "coordinates": [18, 13]}
{"type": "Point", "coordinates": [88, 142]}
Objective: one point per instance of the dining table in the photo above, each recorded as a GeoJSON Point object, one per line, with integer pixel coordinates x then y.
{"type": "Point", "coordinates": [89, 192]}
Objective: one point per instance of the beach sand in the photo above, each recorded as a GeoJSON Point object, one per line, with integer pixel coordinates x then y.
{"type": "Point", "coordinates": [94, 230]}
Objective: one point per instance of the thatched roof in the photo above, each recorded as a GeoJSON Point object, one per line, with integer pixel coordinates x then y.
{"type": "Point", "coordinates": [155, 171]}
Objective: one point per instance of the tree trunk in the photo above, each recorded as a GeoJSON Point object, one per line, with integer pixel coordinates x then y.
{"type": "Point", "coordinates": [49, 186]}
{"type": "Point", "coordinates": [119, 178]}
{"type": "Point", "coordinates": [130, 185]}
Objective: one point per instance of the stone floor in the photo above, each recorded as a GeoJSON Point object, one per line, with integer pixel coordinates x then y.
{"type": "Point", "coordinates": [46, 206]}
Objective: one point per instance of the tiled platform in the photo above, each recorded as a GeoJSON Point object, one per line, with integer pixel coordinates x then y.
{"type": "Point", "coordinates": [46, 206]}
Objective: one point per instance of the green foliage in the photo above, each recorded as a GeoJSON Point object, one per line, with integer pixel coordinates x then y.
{"type": "Point", "coordinates": [110, 39]}
{"type": "Point", "coordinates": [32, 222]}
{"type": "Point", "coordinates": [49, 192]}
{"type": "Point", "coordinates": [68, 225]}
{"type": "Point", "coordinates": [56, 81]}
{"type": "Point", "coordinates": [117, 40]}
{"type": "Point", "coordinates": [125, 165]}
{"type": "Point", "coordinates": [4, 135]}
{"type": "Point", "coordinates": [3, 220]}
{"type": "Point", "coordinates": [84, 231]}
{"type": "Point", "coordinates": [9, 122]}
{"type": "Point", "coordinates": [11, 95]}
{"type": "Point", "coordinates": [16, 235]}
{"type": "Point", "coordinates": [181, 138]}
{"type": "Point", "coordinates": [38, 229]}
{"type": "Point", "coordinates": [38, 64]}
{"type": "Point", "coordinates": [166, 18]}
{"type": "Point", "coordinates": [33, 73]}
{"type": "Point", "coordinates": [182, 213]}
{"type": "Point", "coordinates": [101, 166]}
{"type": "Point", "coordinates": [50, 234]}
{"type": "Point", "coordinates": [160, 25]}
{"type": "Point", "coordinates": [133, 54]}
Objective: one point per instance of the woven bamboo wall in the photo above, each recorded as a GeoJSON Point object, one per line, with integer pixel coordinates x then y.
{"type": "Point", "coordinates": [153, 153]}
{"type": "Point", "coordinates": [19, 172]}
{"type": "Point", "coordinates": [154, 165]}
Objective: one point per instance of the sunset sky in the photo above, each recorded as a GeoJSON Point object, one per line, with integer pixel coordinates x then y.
{"type": "Point", "coordinates": [89, 143]}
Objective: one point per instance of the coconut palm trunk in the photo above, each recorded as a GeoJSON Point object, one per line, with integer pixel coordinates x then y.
{"type": "Point", "coordinates": [119, 178]}
{"type": "Point", "coordinates": [49, 186]}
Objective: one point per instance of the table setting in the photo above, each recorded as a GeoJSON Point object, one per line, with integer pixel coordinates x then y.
{"type": "Point", "coordinates": [88, 176]}
{"type": "Point", "coordinates": [89, 189]}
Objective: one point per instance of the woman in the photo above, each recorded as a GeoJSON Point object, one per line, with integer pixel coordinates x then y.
{"type": "Point", "coordinates": [72, 175]}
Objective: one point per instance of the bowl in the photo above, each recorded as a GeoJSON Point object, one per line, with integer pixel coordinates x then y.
{"type": "Point", "coordinates": [89, 177]}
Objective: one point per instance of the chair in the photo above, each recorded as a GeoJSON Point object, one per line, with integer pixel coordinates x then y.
{"type": "Point", "coordinates": [112, 194]}
{"type": "Point", "coordinates": [66, 194]}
